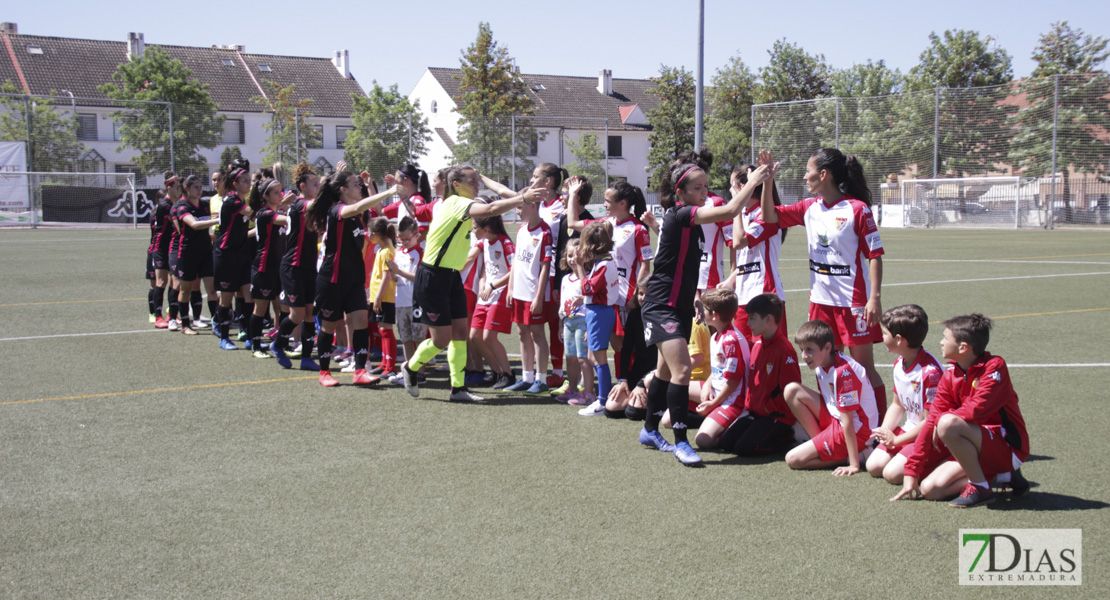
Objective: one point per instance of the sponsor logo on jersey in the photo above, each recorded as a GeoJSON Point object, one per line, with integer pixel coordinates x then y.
{"type": "Point", "coordinates": [996, 376]}
{"type": "Point", "coordinates": [789, 360]}
{"type": "Point", "coordinates": [752, 267]}
{"type": "Point", "coordinates": [433, 316]}
{"type": "Point", "coordinates": [874, 242]}
{"type": "Point", "coordinates": [849, 399]}
{"type": "Point", "coordinates": [830, 270]}
{"type": "Point", "coordinates": [846, 383]}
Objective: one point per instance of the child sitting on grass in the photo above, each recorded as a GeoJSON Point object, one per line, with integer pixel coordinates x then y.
{"type": "Point", "coordinates": [768, 425]}
{"type": "Point", "coordinates": [722, 397]}
{"type": "Point", "coordinates": [844, 392]}
{"type": "Point", "coordinates": [976, 417]}
{"type": "Point", "coordinates": [916, 374]}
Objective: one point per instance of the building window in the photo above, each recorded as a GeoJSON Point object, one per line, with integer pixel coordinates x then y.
{"type": "Point", "coordinates": [534, 145]}
{"type": "Point", "coordinates": [341, 135]}
{"type": "Point", "coordinates": [235, 132]}
{"type": "Point", "coordinates": [315, 141]}
{"type": "Point", "coordinates": [86, 126]}
{"type": "Point", "coordinates": [227, 62]}
{"type": "Point", "coordinates": [435, 107]}
{"type": "Point", "coordinates": [323, 166]}
{"type": "Point", "coordinates": [140, 179]}
{"type": "Point", "coordinates": [264, 68]}
{"type": "Point", "coordinates": [616, 144]}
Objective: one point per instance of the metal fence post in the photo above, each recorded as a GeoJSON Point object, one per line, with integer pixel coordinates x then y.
{"type": "Point", "coordinates": [753, 134]}
{"type": "Point", "coordinates": [606, 151]}
{"type": "Point", "coordinates": [837, 123]}
{"type": "Point", "coordinates": [936, 134]}
{"type": "Point", "coordinates": [32, 196]}
{"type": "Point", "coordinates": [30, 137]}
{"type": "Point", "coordinates": [410, 136]}
{"type": "Point", "coordinates": [134, 202]}
{"type": "Point", "coordinates": [1055, 122]}
{"type": "Point", "coordinates": [296, 136]}
{"type": "Point", "coordinates": [169, 105]}
{"type": "Point", "coordinates": [512, 144]}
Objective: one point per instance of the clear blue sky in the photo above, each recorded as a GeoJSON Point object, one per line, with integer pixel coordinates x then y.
{"type": "Point", "coordinates": [393, 42]}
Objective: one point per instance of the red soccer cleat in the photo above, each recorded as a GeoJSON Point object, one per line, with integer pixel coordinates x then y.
{"type": "Point", "coordinates": [554, 381]}
{"type": "Point", "coordinates": [327, 380]}
{"type": "Point", "coordinates": [363, 378]}
{"type": "Point", "coordinates": [161, 323]}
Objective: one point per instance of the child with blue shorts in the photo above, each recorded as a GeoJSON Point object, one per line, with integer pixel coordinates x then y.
{"type": "Point", "coordinates": [573, 313]}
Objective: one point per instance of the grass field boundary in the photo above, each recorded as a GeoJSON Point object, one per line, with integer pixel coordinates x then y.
{"type": "Point", "coordinates": [159, 390]}
{"type": "Point", "coordinates": [977, 279]}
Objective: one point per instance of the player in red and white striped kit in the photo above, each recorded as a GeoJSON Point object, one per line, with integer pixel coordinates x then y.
{"type": "Point", "coordinates": [845, 254]}
{"type": "Point", "coordinates": [492, 315]}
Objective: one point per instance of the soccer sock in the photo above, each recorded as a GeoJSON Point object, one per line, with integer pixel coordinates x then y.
{"type": "Point", "coordinates": [1004, 478]}
{"type": "Point", "coordinates": [223, 320]}
{"type": "Point", "coordinates": [557, 346]}
{"type": "Point", "coordinates": [656, 403]}
{"type": "Point", "coordinates": [604, 381]}
{"type": "Point", "coordinates": [282, 340]}
{"type": "Point", "coordinates": [240, 310]}
{"type": "Point", "coordinates": [323, 344]}
{"type": "Point", "coordinates": [245, 318]}
{"type": "Point", "coordinates": [360, 345]}
{"type": "Point", "coordinates": [456, 361]}
{"type": "Point", "coordinates": [308, 336]}
{"type": "Point", "coordinates": [256, 332]}
{"type": "Point", "coordinates": [678, 402]}
{"type": "Point", "coordinates": [183, 310]}
{"type": "Point", "coordinates": [424, 352]}
{"type": "Point", "coordinates": [213, 306]}
{"type": "Point", "coordinates": [982, 484]}
{"type": "Point", "coordinates": [880, 401]}
{"type": "Point", "coordinates": [529, 376]}
{"type": "Point", "coordinates": [174, 307]}
{"type": "Point", "coordinates": [389, 350]}
{"type": "Point", "coordinates": [375, 338]}
{"type": "Point", "coordinates": [157, 301]}
{"type": "Point", "coordinates": [196, 300]}
{"type": "Point", "coordinates": [150, 300]}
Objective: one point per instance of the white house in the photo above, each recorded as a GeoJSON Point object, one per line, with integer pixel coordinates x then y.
{"type": "Point", "coordinates": [74, 68]}
{"type": "Point", "coordinates": [566, 107]}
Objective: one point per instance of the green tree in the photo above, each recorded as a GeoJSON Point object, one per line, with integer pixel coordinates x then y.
{"type": "Point", "coordinates": [290, 134]}
{"type": "Point", "coordinates": [145, 128]}
{"type": "Point", "coordinates": [229, 154]}
{"type": "Point", "coordinates": [491, 94]}
{"type": "Point", "coordinates": [970, 79]}
{"type": "Point", "coordinates": [53, 144]}
{"type": "Point", "coordinates": [866, 79]}
{"type": "Point", "coordinates": [589, 158]}
{"type": "Point", "coordinates": [792, 74]}
{"type": "Point", "coordinates": [381, 137]}
{"type": "Point", "coordinates": [1072, 59]}
{"type": "Point", "coordinates": [728, 126]}
{"type": "Point", "coordinates": [672, 119]}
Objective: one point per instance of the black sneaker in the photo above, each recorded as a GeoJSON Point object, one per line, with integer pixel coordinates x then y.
{"type": "Point", "coordinates": [504, 380]}
{"type": "Point", "coordinates": [1018, 484]}
{"type": "Point", "coordinates": [489, 379]}
{"type": "Point", "coordinates": [375, 371]}
{"type": "Point", "coordinates": [973, 496]}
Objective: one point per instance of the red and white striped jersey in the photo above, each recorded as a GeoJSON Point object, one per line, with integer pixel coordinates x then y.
{"type": "Point", "coordinates": [601, 285]}
{"type": "Point", "coordinates": [845, 388]}
{"type": "Point", "coordinates": [757, 264]}
{"type": "Point", "coordinates": [730, 357]}
{"type": "Point", "coordinates": [497, 258]}
{"type": "Point", "coordinates": [534, 248]}
{"type": "Point", "coordinates": [916, 385]}
{"type": "Point", "coordinates": [717, 236]}
{"type": "Point", "coordinates": [631, 245]}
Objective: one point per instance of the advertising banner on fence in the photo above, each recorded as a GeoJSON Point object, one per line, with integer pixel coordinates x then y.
{"type": "Point", "coordinates": [14, 193]}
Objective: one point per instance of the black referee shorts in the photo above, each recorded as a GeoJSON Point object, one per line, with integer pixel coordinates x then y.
{"type": "Point", "coordinates": [438, 296]}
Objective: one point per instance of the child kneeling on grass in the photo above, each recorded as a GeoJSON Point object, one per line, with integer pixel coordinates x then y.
{"type": "Point", "coordinates": [845, 392]}
{"type": "Point", "coordinates": [916, 375]}
{"type": "Point", "coordinates": [975, 417]}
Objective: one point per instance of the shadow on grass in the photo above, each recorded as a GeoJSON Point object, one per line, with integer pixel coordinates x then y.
{"type": "Point", "coordinates": [1047, 501]}
{"type": "Point", "coordinates": [724, 458]}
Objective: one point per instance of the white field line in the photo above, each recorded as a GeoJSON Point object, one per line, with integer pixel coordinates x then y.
{"type": "Point", "coordinates": [1039, 365]}
{"type": "Point", "coordinates": [62, 241]}
{"type": "Point", "coordinates": [887, 285]}
{"type": "Point", "coordinates": [984, 260]}
{"type": "Point", "coordinates": [66, 335]}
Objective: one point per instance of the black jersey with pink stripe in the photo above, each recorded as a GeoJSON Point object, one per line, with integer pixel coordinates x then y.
{"type": "Point", "coordinates": [189, 240]}
{"type": "Point", "coordinates": [674, 280]}
{"type": "Point", "coordinates": [233, 226]}
{"type": "Point", "coordinates": [300, 241]}
{"type": "Point", "coordinates": [161, 231]}
{"type": "Point", "coordinates": [343, 241]}
{"type": "Point", "coordinates": [267, 255]}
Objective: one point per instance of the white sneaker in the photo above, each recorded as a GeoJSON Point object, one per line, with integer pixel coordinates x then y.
{"type": "Point", "coordinates": [349, 368]}
{"type": "Point", "coordinates": [464, 395]}
{"type": "Point", "coordinates": [595, 409]}
{"type": "Point", "coordinates": [201, 323]}
{"type": "Point", "coordinates": [175, 325]}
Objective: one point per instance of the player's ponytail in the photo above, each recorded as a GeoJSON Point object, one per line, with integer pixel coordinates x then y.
{"type": "Point", "coordinates": [846, 171]}
{"type": "Point", "coordinates": [381, 227]}
{"type": "Point", "coordinates": [556, 173]}
{"type": "Point", "coordinates": [330, 192]}
{"type": "Point", "coordinates": [420, 178]}
{"type": "Point", "coordinates": [631, 196]}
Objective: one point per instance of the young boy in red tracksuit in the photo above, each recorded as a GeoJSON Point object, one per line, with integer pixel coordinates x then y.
{"type": "Point", "coordinates": [975, 418]}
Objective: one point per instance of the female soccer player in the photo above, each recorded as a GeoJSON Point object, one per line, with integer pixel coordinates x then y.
{"type": "Point", "coordinates": [267, 199]}
{"type": "Point", "coordinates": [230, 257]}
{"type": "Point", "coordinates": [192, 248]}
{"type": "Point", "coordinates": [298, 272]}
{"type": "Point", "coordinates": [668, 310]}
{"type": "Point", "coordinates": [438, 288]}
{"type": "Point", "coordinates": [158, 253]}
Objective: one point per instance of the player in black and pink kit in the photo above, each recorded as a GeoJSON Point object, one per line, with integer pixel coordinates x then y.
{"type": "Point", "coordinates": [230, 257]}
{"type": "Point", "coordinates": [668, 309]}
{"type": "Point", "coordinates": [193, 247]}
{"type": "Point", "coordinates": [267, 200]}
{"type": "Point", "coordinates": [158, 253]}
{"type": "Point", "coordinates": [298, 272]}
{"type": "Point", "coordinates": [341, 282]}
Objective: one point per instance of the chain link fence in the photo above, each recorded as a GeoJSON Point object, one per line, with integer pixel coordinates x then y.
{"type": "Point", "coordinates": [1053, 133]}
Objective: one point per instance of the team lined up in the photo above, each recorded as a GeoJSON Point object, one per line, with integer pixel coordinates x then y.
{"type": "Point", "coordinates": [586, 284]}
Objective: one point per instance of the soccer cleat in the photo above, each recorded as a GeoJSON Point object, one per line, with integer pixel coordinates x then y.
{"type": "Point", "coordinates": [489, 379]}
{"type": "Point", "coordinates": [519, 386]}
{"type": "Point", "coordinates": [348, 367]}
{"type": "Point", "coordinates": [307, 364]}
{"type": "Point", "coordinates": [561, 390]}
{"type": "Point", "coordinates": [249, 344]}
{"type": "Point", "coordinates": [226, 344]}
{"type": "Point", "coordinates": [173, 325]}
{"type": "Point", "coordinates": [595, 409]}
{"type": "Point", "coordinates": [153, 318]}
{"type": "Point", "coordinates": [242, 337]}
{"type": "Point", "coordinates": [567, 397]}
{"type": "Point", "coordinates": [973, 496]}
{"type": "Point", "coordinates": [260, 353]}
{"type": "Point", "coordinates": [537, 388]}
{"type": "Point", "coordinates": [408, 378]}
{"type": "Point", "coordinates": [282, 358]}
{"type": "Point", "coordinates": [686, 455]}
{"type": "Point", "coordinates": [397, 379]}
{"type": "Point", "coordinates": [202, 323]}
{"type": "Point", "coordinates": [374, 354]}
{"type": "Point", "coordinates": [463, 395]}
{"type": "Point", "coordinates": [554, 381]}
{"type": "Point", "coordinates": [294, 352]}
{"type": "Point", "coordinates": [1019, 485]}
{"type": "Point", "coordinates": [161, 323]}
{"type": "Point", "coordinates": [582, 399]}
{"type": "Point", "coordinates": [363, 378]}
{"type": "Point", "coordinates": [654, 439]}
{"type": "Point", "coordinates": [271, 333]}
{"type": "Point", "coordinates": [327, 380]}
{"type": "Point", "coordinates": [188, 330]}
{"type": "Point", "coordinates": [504, 380]}
{"type": "Point", "coordinates": [475, 377]}
{"type": "Point", "coordinates": [375, 371]}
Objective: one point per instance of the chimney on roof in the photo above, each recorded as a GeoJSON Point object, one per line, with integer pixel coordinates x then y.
{"type": "Point", "coordinates": [235, 47]}
{"type": "Point", "coordinates": [605, 82]}
{"type": "Point", "coordinates": [135, 45]}
{"type": "Point", "coordinates": [12, 28]}
{"type": "Point", "coordinates": [342, 62]}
